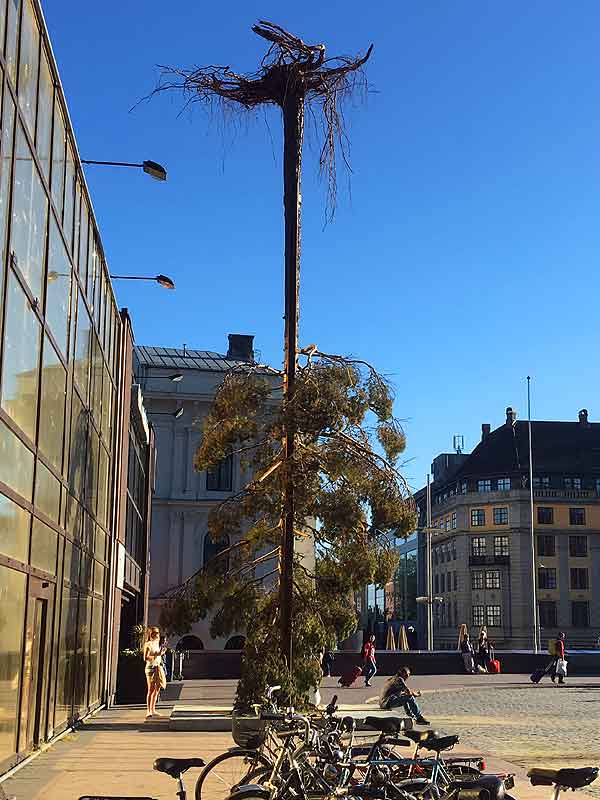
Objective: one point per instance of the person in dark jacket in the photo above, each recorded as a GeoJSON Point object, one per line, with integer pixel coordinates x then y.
{"type": "Point", "coordinates": [483, 650]}
{"type": "Point", "coordinates": [327, 663]}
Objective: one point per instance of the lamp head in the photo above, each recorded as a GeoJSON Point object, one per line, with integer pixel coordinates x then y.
{"type": "Point", "coordinates": [156, 171]}
{"type": "Point", "coordinates": [176, 378]}
{"type": "Point", "coordinates": [178, 413]}
{"type": "Point", "coordinates": [165, 281]}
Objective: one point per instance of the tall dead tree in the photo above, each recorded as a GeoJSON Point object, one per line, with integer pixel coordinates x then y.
{"type": "Point", "coordinates": [292, 74]}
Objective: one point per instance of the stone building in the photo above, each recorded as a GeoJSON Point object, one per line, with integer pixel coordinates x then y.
{"type": "Point", "coordinates": [482, 547]}
{"type": "Point", "coordinates": [179, 385]}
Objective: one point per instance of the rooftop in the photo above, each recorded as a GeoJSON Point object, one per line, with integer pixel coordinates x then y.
{"type": "Point", "coordinates": [184, 358]}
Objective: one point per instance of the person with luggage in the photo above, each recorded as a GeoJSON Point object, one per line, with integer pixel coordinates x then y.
{"type": "Point", "coordinates": [483, 651]}
{"type": "Point", "coordinates": [466, 648]}
{"type": "Point", "coordinates": [558, 653]}
{"type": "Point", "coordinates": [396, 694]}
{"type": "Point", "coordinates": [368, 657]}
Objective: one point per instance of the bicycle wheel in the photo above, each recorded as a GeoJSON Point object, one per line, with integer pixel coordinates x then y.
{"type": "Point", "coordinates": [225, 772]}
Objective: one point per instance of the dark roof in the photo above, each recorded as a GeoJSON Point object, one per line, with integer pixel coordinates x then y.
{"type": "Point", "coordinates": [558, 447]}
{"type": "Point", "coordinates": [178, 358]}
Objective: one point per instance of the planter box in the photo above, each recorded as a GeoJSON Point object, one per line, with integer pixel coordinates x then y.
{"type": "Point", "coordinates": [131, 681]}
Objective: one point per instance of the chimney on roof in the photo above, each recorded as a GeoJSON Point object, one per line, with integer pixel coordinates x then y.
{"type": "Point", "coordinates": [583, 417]}
{"type": "Point", "coordinates": [485, 430]}
{"type": "Point", "coordinates": [511, 416]}
{"type": "Point", "coordinates": [240, 347]}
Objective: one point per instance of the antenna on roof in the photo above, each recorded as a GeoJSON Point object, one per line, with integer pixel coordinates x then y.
{"type": "Point", "coordinates": [458, 443]}
{"type": "Point", "coordinates": [184, 348]}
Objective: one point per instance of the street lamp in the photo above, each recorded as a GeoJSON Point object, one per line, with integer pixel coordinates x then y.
{"type": "Point", "coordinates": [175, 414]}
{"type": "Point", "coordinates": [163, 280]}
{"type": "Point", "coordinates": [156, 171]}
{"type": "Point", "coordinates": [177, 377]}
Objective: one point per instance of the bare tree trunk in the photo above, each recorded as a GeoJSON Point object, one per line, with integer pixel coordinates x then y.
{"type": "Point", "coordinates": [293, 130]}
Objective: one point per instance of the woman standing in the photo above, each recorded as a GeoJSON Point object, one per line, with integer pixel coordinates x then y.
{"type": "Point", "coordinates": [483, 650]}
{"type": "Point", "coordinates": [153, 654]}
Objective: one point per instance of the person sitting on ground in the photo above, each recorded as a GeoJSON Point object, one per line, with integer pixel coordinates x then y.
{"type": "Point", "coordinates": [466, 648]}
{"type": "Point", "coordinates": [396, 694]}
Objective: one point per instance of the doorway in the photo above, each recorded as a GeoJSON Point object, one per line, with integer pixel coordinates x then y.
{"type": "Point", "coordinates": [34, 699]}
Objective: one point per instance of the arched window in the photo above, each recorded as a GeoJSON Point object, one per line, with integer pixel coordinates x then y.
{"type": "Point", "coordinates": [211, 549]}
{"type": "Point", "coordinates": [235, 643]}
{"type": "Point", "coordinates": [189, 642]}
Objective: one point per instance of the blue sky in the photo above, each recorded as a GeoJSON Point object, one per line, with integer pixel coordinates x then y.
{"type": "Point", "coordinates": [464, 256]}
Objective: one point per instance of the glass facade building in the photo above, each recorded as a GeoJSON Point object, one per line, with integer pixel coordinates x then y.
{"type": "Point", "coordinates": [59, 377]}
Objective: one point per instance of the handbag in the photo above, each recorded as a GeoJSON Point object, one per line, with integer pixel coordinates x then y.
{"type": "Point", "coordinates": [561, 668]}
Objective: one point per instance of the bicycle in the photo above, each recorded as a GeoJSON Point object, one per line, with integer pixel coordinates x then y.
{"type": "Point", "coordinates": [563, 779]}
{"type": "Point", "coordinates": [173, 767]}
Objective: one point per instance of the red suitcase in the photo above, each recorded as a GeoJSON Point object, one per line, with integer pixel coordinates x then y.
{"type": "Point", "coordinates": [494, 667]}
{"type": "Point", "coordinates": [348, 678]}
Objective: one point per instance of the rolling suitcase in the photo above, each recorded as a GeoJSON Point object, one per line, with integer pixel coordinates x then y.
{"type": "Point", "coordinates": [537, 676]}
{"type": "Point", "coordinates": [494, 667]}
{"type": "Point", "coordinates": [348, 678]}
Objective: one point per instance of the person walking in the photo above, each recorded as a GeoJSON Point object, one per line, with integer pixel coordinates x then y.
{"type": "Point", "coordinates": [396, 694]}
{"type": "Point", "coordinates": [155, 674]}
{"type": "Point", "coordinates": [466, 648]}
{"type": "Point", "coordinates": [558, 654]}
{"type": "Point", "coordinates": [368, 657]}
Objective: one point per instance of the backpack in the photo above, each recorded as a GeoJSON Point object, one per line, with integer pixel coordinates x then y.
{"type": "Point", "coordinates": [552, 647]}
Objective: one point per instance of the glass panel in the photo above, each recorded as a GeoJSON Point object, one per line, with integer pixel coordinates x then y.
{"type": "Point", "coordinates": [87, 533]}
{"type": "Point", "coordinates": [44, 541]}
{"type": "Point", "coordinates": [106, 406]}
{"type": "Point", "coordinates": [82, 654]}
{"type": "Point", "coordinates": [77, 224]}
{"type": "Point", "coordinates": [43, 139]}
{"type": "Point", "coordinates": [2, 23]}
{"type": "Point", "coordinates": [12, 620]}
{"type": "Point", "coordinates": [98, 578]}
{"type": "Point", "coordinates": [73, 517]}
{"type": "Point", "coordinates": [58, 158]}
{"type": "Point", "coordinates": [20, 359]}
{"type": "Point", "coordinates": [52, 416]}
{"type": "Point", "coordinates": [83, 240]}
{"type": "Point", "coordinates": [69, 196]}
{"type": "Point", "coordinates": [98, 291]}
{"type": "Point", "coordinates": [8, 119]}
{"type": "Point", "coordinates": [11, 40]}
{"type": "Point", "coordinates": [95, 650]}
{"type": "Point", "coordinates": [78, 450]}
{"type": "Point", "coordinates": [14, 530]}
{"type": "Point", "coordinates": [16, 463]}
{"type": "Point", "coordinates": [92, 470]}
{"type": "Point", "coordinates": [28, 217]}
{"type": "Point", "coordinates": [97, 368]}
{"type": "Point", "coordinates": [81, 366]}
{"type": "Point", "coordinates": [100, 545]}
{"type": "Point", "coordinates": [28, 65]}
{"type": "Point", "coordinates": [85, 578]}
{"type": "Point", "coordinates": [66, 656]}
{"type": "Point", "coordinates": [92, 267]}
{"type": "Point", "coordinates": [47, 492]}
{"type": "Point", "coordinates": [58, 288]}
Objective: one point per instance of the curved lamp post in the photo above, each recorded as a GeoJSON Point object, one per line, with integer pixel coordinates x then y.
{"type": "Point", "coordinates": [177, 377]}
{"type": "Point", "coordinates": [175, 414]}
{"type": "Point", "coordinates": [156, 171]}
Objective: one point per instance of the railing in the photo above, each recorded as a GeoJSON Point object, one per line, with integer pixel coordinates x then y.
{"type": "Point", "coordinates": [567, 494]}
{"type": "Point", "coordinates": [488, 561]}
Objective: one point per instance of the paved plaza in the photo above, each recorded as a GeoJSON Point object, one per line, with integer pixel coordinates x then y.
{"type": "Point", "coordinates": [505, 718]}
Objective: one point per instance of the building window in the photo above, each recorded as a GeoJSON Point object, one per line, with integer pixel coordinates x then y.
{"type": "Point", "coordinates": [501, 546]}
{"type": "Point", "coordinates": [546, 545]}
{"type": "Point", "coordinates": [477, 518]}
{"type": "Point", "coordinates": [503, 484]}
{"type": "Point", "coordinates": [448, 581]}
{"type": "Point", "coordinates": [580, 614]}
{"type": "Point", "coordinates": [546, 578]}
{"type": "Point", "coordinates": [442, 554]}
{"type": "Point", "coordinates": [492, 579]}
{"type": "Point", "coordinates": [212, 549]}
{"type": "Point", "coordinates": [478, 615]}
{"type": "Point", "coordinates": [579, 578]}
{"type": "Point", "coordinates": [478, 546]}
{"type": "Point", "coordinates": [484, 486]}
{"type": "Point", "coordinates": [453, 546]}
{"type": "Point", "coordinates": [541, 482]}
{"type": "Point", "coordinates": [219, 478]}
{"type": "Point", "coordinates": [572, 483]}
{"type": "Point", "coordinates": [455, 581]}
{"type": "Point", "coordinates": [547, 614]}
{"type": "Point", "coordinates": [501, 516]}
{"type": "Point", "coordinates": [435, 556]}
{"type": "Point", "coordinates": [477, 580]}
{"type": "Point", "coordinates": [463, 487]}
{"type": "Point", "coordinates": [545, 516]}
{"type": "Point", "coordinates": [494, 619]}
{"type": "Point", "coordinates": [454, 521]}
{"type": "Point", "coordinates": [436, 584]}
{"type": "Point", "coordinates": [578, 546]}
{"type": "Point", "coordinates": [598, 486]}
{"type": "Point", "coordinates": [442, 583]}
{"type": "Point", "coordinates": [577, 516]}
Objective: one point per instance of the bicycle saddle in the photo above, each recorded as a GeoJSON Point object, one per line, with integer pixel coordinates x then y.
{"type": "Point", "coordinates": [388, 725]}
{"type": "Point", "coordinates": [177, 766]}
{"type": "Point", "coordinates": [484, 786]}
{"type": "Point", "coordinates": [565, 778]}
{"type": "Point", "coordinates": [420, 736]}
{"type": "Point", "coordinates": [438, 744]}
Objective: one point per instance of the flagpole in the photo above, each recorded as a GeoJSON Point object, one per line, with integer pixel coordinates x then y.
{"type": "Point", "coordinates": [536, 642]}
